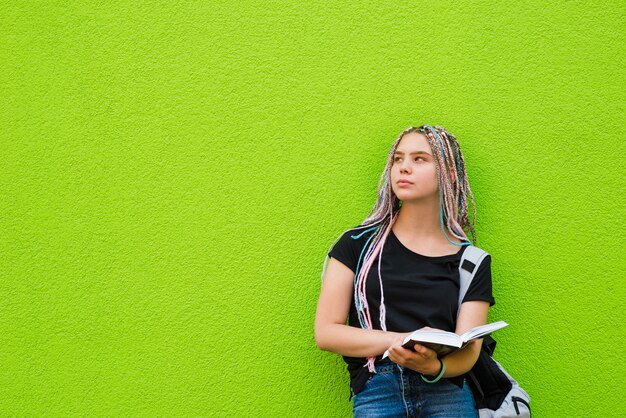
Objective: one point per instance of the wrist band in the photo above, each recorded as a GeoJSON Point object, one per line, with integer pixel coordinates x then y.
{"type": "Point", "coordinates": [443, 369]}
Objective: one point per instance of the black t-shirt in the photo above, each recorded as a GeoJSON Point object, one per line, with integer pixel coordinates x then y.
{"type": "Point", "coordinates": [419, 291]}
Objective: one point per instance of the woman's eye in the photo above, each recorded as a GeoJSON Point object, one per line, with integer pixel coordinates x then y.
{"type": "Point", "coordinates": [397, 158]}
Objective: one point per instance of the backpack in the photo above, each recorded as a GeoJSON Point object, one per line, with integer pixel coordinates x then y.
{"type": "Point", "coordinates": [496, 393]}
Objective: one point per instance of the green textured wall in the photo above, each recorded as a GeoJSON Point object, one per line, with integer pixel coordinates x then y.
{"type": "Point", "coordinates": [173, 175]}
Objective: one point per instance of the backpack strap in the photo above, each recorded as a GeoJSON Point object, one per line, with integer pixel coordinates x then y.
{"type": "Point", "coordinates": [470, 261]}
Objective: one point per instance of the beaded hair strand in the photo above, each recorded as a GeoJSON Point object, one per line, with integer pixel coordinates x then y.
{"type": "Point", "coordinates": [454, 198]}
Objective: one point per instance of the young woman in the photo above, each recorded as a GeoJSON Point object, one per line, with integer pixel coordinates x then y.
{"type": "Point", "coordinates": [418, 225]}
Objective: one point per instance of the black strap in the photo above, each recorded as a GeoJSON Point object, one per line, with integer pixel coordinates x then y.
{"type": "Point", "coordinates": [517, 399]}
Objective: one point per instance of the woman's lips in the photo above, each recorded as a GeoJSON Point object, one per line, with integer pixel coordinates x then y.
{"type": "Point", "coordinates": [404, 183]}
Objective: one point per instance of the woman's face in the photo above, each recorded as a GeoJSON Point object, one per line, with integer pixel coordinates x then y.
{"type": "Point", "coordinates": [414, 161]}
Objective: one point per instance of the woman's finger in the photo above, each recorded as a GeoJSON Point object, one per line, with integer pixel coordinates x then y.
{"type": "Point", "coordinates": [420, 348]}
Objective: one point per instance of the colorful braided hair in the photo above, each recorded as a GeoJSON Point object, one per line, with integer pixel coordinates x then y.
{"type": "Point", "coordinates": [454, 197]}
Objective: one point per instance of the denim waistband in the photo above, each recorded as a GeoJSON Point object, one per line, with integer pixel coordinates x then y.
{"type": "Point", "coordinates": [387, 367]}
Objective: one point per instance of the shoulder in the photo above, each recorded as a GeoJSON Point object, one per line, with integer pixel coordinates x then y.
{"type": "Point", "coordinates": [354, 239]}
{"type": "Point", "coordinates": [350, 245]}
{"type": "Point", "coordinates": [475, 253]}
{"type": "Point", "coordinates": [480, 287]}
{"type": "Point", "coordinates": [358, 233]}
{"type": "Point", "coordinates": [472, 256]}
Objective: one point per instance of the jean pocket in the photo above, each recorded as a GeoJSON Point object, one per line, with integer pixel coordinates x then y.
{"type": "Point", "coordinates": [378, 379]}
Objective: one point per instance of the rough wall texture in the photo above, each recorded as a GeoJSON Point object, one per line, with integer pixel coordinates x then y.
{"type": "Point", "coordinates": [173, 175]}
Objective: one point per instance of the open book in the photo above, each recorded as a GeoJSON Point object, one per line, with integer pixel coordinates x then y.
{"type": "Point", "coordinates": [444, 342]}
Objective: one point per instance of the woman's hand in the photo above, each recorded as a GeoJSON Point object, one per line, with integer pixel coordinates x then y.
{"type": "Point", "coordinates": [423, 359]}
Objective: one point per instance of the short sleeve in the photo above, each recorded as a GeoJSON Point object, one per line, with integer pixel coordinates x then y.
{"type": "Point", "coordinates": [345, 250]}
{"type": "Point", "coordinates": [480, 288]}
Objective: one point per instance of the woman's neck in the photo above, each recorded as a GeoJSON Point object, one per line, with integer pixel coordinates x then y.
{"type": "Point", "coordinates": [419, 222]}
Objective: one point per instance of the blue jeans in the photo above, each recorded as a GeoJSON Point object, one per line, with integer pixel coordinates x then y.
{"type": "Point", "coordinates": [396, 391]}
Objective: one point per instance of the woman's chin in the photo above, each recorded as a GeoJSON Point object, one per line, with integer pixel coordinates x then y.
{"type": "Point", "coordinates": [410, 197]}
{"type": "Point", "coordinates": [407, 197]}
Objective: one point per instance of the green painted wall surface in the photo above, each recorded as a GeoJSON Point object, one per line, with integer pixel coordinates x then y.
{"type": "Point", "coordinates": [173, 175]}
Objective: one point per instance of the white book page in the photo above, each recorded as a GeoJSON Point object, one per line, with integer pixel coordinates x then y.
{"type": "Point", "coordinates": [450, 338]}
{"type": "Point", "coordinates": [430, 336]}
{"type": "Point", "coordinates": [439, 337]}
{"type": "Point", "coordinates": [483, 330]}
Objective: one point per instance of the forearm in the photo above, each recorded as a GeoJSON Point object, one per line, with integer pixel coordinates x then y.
{"type": "Point", "coordinates": [355, 342]}
{"type": "Point", "coordinates": [461, 361]}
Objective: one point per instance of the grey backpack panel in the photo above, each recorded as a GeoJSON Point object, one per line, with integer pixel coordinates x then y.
{"type": "Point", "coordinates": [516, 403]}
